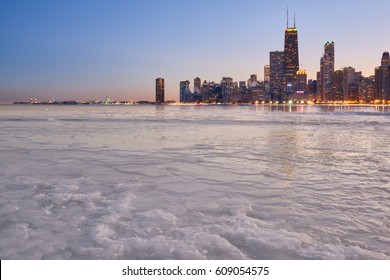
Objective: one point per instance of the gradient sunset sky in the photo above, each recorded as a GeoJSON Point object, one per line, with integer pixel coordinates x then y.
{"type": "Point", "coordinates": [85, 50]}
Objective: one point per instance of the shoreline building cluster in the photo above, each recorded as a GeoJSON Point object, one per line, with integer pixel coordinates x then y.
{"type": "Point", "coordinates": [284, 81]}
{"type": "Point", "coordinates": [348, 85]}
{"type": "Point", "coordinates": [227, 91]}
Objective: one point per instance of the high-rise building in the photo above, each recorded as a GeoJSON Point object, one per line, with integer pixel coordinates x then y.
{"type": "Point", "coordinates": [197, 86]}
{"type": "Point", "coordinates": [312, 90]}
{"type": "Point", "coordinates": [382, 79]}
{"type": "Point", "coordinates": [387, 83]}
{"type": "Point", "coordinates": [338, 85]}
{"type": "Point", "coordinates": [160, 91]}
{"type": "Point", "coordinates": [215, 96]}
{"type": "Point", "coordinates": [301, 83]}
{"type": "Point", "coordinates": [197, 96]}
{"type": "Point", "coordinates": [242, 84]}
{"type": "Point", "coordinates": [319, 85]}
{"type": "Point", "coordinates": [291, 57]}
{"type": "Point", "coordinates": [267, 73]}
{"type": "Point", "coordinates": [385, 59]}
{"type": "Point", "coordinates": [276, 62]}
{"type": "Point", "coordinates": [367, 89]}
{"type": "Point", "coordinates": [354, 92]}
{"type": "Point", "coordinates": [300, 92]}
{"type": "Point", "coordinates": [349, 83]}
{"type": "Point", "coordinates": [321, 78]}
{"type": "Point", "coordinates": [205, 91]}
{"type": "Point", "coordinates": [252, 82]}
{"type": "Point", "coordinates": [327, 69]}
{"type": "Point", "coordinates": [346, 84]}
{"type": "Point", "coordinates": [228, 88]}
{"type": "Point", "coordinates": [185, 91]}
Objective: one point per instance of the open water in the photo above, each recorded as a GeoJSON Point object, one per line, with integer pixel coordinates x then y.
{"type": "Point", "coordinates": [194, 182]}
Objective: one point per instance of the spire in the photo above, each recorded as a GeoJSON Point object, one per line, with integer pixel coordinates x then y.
{"type": "Point", "coordinates": [287, 16]}
{"type": "Point", "coordinates": [294, 19]}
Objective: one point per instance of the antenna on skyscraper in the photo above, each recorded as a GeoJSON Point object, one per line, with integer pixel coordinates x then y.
{"type": "Point", "coordinates": [294, 19]}
{"type": "Point", "coordinates": [287, 16]}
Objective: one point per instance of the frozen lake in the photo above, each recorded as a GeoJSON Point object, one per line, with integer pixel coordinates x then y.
{"type": "Point", "coordinates": [194, 182]}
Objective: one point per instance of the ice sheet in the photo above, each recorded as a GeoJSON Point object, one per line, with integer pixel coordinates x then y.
{"type": "Point", "coordinates": [194, 182]}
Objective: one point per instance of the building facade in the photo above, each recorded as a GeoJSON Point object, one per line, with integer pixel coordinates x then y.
{"type": "Point", "coordinates": [197, 96]}
{"type": "Point", "coordinates": [300, 93]}
{"type": "Point", "coordinates": [367, 89]}
{"type": "Point", "coordinates": [291, 60]}
{"type": "Point", "coordinates": [197, 85]}
{"type": "Point", "coordinates": [327, 70]}
{"type": "Point", "coordinates": [312, 90]}
{"type": "Point", "coordinates": [205, 91]}
{"type": "Point", "coordinates": [185, 92]}
{"type": "Point", "coordinates": [348, 83]}
{"type": "Point", "coordinates": [267, 71]}
{"type": "Point", "coordinates": [338, 85]}
{"type": "Point", "coordinates": [228, 89]}
{"type": "Point", "coordinates": [301, 83]}
{"type": "Point", "coordinates": [160, 91]}
{"type": "Point", "coordinates": [382, 79]}
{"type": "Point", "coordinates": [276, 63]}
{"type": "Point", "coordinates": [252, 81]}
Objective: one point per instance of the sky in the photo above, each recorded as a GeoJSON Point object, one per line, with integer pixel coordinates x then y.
{"type": "Point", "coordinates": [87, 50]}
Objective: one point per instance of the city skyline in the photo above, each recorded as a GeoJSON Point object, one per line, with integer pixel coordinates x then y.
{"type": "Point", "coordinates": [88, 50]}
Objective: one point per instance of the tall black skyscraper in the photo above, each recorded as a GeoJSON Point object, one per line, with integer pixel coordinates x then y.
{"type": "Point", "coordinates": [291, 56]}
{"type": "Point", "coordinates": [160, 91]}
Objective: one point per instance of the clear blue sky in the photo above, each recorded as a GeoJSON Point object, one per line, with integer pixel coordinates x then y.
{"type": "Point", "coordinates": [85, 50]}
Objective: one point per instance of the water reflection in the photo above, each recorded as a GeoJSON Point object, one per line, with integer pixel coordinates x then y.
{"type": "Point", "coordinates": [159, 113]}
{"type": "Point", "coordinates": [285, 153]}
{"type": "Point", "coordinates": [322, 108]}
{"type": "Point", "coordinates": [294, 108]}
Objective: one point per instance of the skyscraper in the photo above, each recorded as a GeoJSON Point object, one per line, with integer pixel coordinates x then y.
{"type": "Point", "coordinates": [349, 83]}
{"type": "Point", "coordinates": [385, 59]}
{"type": "Point", "coordinates": [205, 91]}
{"type": "Point", "coordinates": [327, 70]}
{"type": "Point", "coordinates": [301, 83]}
{"type": "Point", "coordinates": [242, 84]}
{"type": "Point", "coordinates": [291, 57]}
{"type": "Point", "coordinates": [319, 85]}
{"type": "Point", "coordinates": [185, 91]}
{"type": "Point", "coordinates": [312, 90]}
{"type": "Point", "coordinates": [382, 78]}
{"type": "Point", "coordinates": [338, 85]}
{"type": "Point", "coordinates": [301, 86]}
{"type": "Point", "coordinates": [197, 90]}
{"type": "Point", "coordinates": [276, 62]}
{"type": "Point", "coordinates": [160, 91]}
{"type": "Point", "coordinates": [367, 89]}
{"type": "Point", "coordinates": [252, 81]}
{"type": "Point", "coordinates": [197, 85]}
{"type": "Point", "coordinates": [228, 87]}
